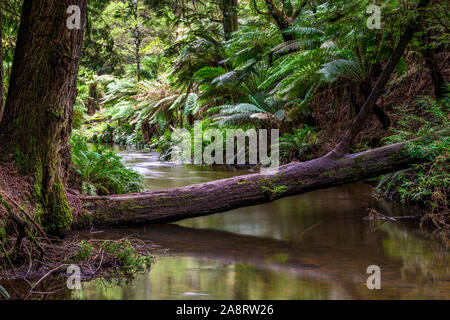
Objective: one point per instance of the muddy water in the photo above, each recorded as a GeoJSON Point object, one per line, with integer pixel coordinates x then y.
{"type": "Point", "coordinates": [312, 246]}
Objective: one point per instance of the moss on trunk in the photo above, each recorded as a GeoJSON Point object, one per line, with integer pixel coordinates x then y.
{"type": "Point", "coordinates": [38, 113]}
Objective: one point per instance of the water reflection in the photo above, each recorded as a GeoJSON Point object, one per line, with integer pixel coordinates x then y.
{"type": "Point", "coordinates": [312, 246]}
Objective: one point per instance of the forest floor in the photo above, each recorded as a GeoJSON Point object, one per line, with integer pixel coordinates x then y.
{"type": "Point", "coordinates": [29, 257]}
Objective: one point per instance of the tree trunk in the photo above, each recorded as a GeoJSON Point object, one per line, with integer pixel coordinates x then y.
{"type": "Point", "coordinates": [137, 39]}
{"type": "Point", "coordinates": [38, 115]}
{"type": "Point", "coordinates": [344, 145]}
{"type": "Point", "coordinates": [365, 89]}
{"type": "Point", "coordinates": [282, 21]}
{"type": "Point", "coordinates": [93, 103]}
{"type": "Point", "coordinates": [2, 87]}
{"type": "Point", "coordinates": [230, 18]}
{"type": "Point", "coordinates": [223, 195]}
{"type": "Point", "coordinates": [435, 72]}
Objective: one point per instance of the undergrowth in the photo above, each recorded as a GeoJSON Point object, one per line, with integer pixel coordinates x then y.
{"type": "Point", "coordinates": [299, 144]}
{"type": "Point", "coordinates": [101, 170]}
{"type": "Point", "coordinates": [427, 183]}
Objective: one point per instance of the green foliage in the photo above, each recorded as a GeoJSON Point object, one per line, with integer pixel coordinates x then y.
{"type": "Point", "coordinates": [356, 70]}
{"type": "Point", "coordinates": [433, 119]}
{"type": "Point", "coordinates": [168, 147]}
{"type": "Point", "coordinates": [129, 260]}
{"type": "Point", "coordinates": [79, 114]}
{"type": "Point", "coordinates": [85, 252]}
{"type": "Point", "coordinates": [191, 68]}
{"type": "Point", "coordinates": [426, 183]}
{"type": "Point", "coordinates": [262, 110]}
{"type": "Point", "coordinates": [128, 104]}
{"type": "Point", "coordinates": [101, 170]}
{"type": "Point", "coordinates": [199, 49]}
{"type": "Point", "coordinates": [252, 42]}
{"type": "Point", "coordinates": [296, 145]}
{"type": "Point", "coordinates": [275, 189]}
{"type": "Point", "coordinates": [127, 256]}
{"type": "Point", "coordinates": [164, 145]}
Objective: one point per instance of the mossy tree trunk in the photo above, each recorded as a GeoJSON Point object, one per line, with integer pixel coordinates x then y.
{"type": "Point", "coordinates": [37, 120]}
{"type": "Point", "coordinates": [283, 21]}
{"type": "Point", "coordinates": [2, 87]}
{"type": "Point", "coordinates": [230, 18]}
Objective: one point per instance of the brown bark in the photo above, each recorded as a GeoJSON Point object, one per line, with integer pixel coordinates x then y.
{"type": "Point", "coordinates": [137, 38]}
{"type": "Point", "coordinates": [2, 87]}
{"type": "Point", "coordinates": [344, 145]}
{"type": "Point", "coordinates": [230, 18]}
{"type": "Point", "coordinates": [365, 89]}
{"type": "Point", "coordinates": [223, 195]}
{"type": "Point", "coordinates": [282, 21]}
{"type": "Point", "coordinates": [435, 72]}
{"type": "Point", "coordinates": [93, 103]}
{"type": "Point", "coordinates": [38, 114]}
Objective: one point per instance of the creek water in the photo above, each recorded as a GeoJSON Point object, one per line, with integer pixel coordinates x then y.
{"type": "Point", "coordinates": [312, 246]}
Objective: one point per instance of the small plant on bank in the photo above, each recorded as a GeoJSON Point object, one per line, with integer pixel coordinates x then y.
{"type": "Point", "coordinates": [298, 144]}
{"type": "Point", "coordinates": [86, 251]}
{"type": "Point", "coordinates": [101, 170]}
{"type": "Point", "coordinates": [128, 258]}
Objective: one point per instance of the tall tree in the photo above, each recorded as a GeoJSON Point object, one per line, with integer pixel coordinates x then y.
{"type": "Point", "coordinates": [137, 35]}
{"type": "Point", "coordinates": [284, 17]}
{"type": "Point", "coordinates": [230, 18]}
{"type": "Point", "coordinates": [2, 87]}
{"type": "Point", "coordinates": [37, 121]}
{"type": "Point", "coordinates": [432, 65]}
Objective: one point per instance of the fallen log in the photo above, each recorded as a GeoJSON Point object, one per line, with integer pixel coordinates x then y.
{"type": "Point", "coordinates": [168, 205]}
{"type": "Point", "coordinates": [333, 169]}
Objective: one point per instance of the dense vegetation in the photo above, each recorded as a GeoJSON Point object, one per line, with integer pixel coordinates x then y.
{"type": "Point", "coordinates": [265, 74]}
{"type": "Point", "coordinates": [304, 67]}
{"type": "Point", "coordinates": [150, 66]}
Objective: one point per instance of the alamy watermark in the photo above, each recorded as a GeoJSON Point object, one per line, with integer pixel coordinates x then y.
{"type": "Point", "coordinates": [374, 21]}
{"type": "Point", "coordinates": [74, 20]}
{"type": "Point", "coordinates": [74, 280]}
{"type": "Point", "coordinates": [374, 281]}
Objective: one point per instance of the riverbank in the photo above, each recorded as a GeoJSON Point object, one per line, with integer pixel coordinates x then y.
{"type": "Point", "coordinates": [312, 246]}
{"type": "Point", "coordinates": [302, 224]}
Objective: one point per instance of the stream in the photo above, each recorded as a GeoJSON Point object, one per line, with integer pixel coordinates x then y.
{"type": "Point", "coordinates": [312, 246]}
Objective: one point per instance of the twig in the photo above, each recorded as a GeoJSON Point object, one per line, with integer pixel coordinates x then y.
{"type": "Point", "coordinates": [45, 276]}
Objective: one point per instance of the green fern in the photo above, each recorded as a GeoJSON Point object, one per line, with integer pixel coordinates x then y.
{"type": "Point", "coordinates": [101, 170]}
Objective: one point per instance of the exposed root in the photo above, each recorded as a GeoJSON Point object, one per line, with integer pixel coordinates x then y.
{"type": "Point", "coordinates": [124, 259]}
{"type": "Point", "coordinates": [30, 259]}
